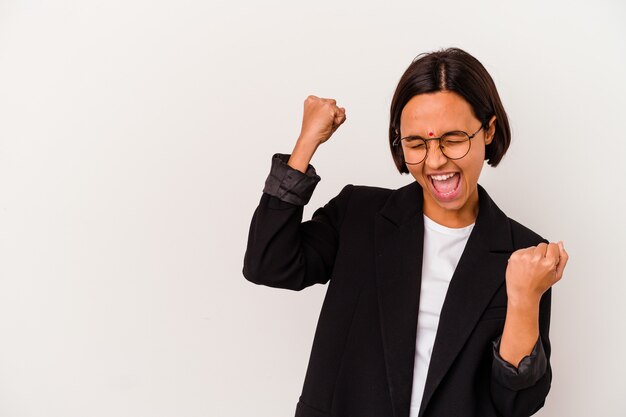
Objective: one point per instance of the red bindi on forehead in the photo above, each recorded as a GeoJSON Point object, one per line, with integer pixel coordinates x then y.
{"type": "Point", "coordinates": [430, 133]}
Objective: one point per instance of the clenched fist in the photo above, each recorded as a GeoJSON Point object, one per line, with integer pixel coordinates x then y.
{"type": "Point", "coordinates": [320, 119]}
{"type": "Point", "coordinates": [531, 271]}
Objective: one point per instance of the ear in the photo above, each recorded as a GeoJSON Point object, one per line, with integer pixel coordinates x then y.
{"type": "Point", "coordinates": [491, 130]}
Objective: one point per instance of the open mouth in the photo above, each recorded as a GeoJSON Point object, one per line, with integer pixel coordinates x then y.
{"type": "Point", "coordinates": [446, 187]}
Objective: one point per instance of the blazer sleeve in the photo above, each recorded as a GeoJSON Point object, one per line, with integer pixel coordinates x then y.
{"type": "Point", "coordinates": [282, 251]}
{"type": "Point", "coordinates": [521, 392]}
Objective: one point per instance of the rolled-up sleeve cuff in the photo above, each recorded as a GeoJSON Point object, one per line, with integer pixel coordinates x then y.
{"type": "Point", "coordinates": [290, 184]}
{"type": "Point", "coordinates": [530, 369]}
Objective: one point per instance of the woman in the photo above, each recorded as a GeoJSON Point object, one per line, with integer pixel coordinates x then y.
{"type": "Point", "coordinates": [438, 303]}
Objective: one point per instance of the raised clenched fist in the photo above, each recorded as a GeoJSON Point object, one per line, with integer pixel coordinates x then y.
{"type": "Point", "coordinates": [320, 119]}
{"type": "Point", "coordinates": [531, 271]}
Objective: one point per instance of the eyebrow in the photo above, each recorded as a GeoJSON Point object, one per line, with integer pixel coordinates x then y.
{"type": "Point", "coordinates": [420, 137]}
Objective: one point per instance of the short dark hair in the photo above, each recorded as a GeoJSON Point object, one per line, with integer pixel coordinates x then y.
{"type": "Point", "coordinates": [451, 69]}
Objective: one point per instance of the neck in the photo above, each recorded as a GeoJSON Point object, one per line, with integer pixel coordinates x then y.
{"type": "Point", "coordinates": [458, 218]}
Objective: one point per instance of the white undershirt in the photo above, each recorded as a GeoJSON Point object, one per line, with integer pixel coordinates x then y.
{"type": "Point", "coordinates": [443, 247]}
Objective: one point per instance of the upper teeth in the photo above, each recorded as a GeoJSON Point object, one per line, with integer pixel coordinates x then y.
{"type": "Point", "coordinates": [442, 177]}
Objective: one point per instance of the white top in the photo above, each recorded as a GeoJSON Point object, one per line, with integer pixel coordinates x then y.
{"type": "Point", "coordinates": [443, 247]}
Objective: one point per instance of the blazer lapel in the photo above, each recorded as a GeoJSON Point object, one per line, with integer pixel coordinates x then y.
{"type": "Point", "coordinates": [399, 231]}
{"type": "Point", "coordinates": [399, 236]}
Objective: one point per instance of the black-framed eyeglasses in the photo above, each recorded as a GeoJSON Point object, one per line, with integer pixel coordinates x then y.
{"type": "Point", "coordinates": [454, 145]}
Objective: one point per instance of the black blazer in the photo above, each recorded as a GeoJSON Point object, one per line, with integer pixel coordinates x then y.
{"type": "Point", "coordinates": [367, 242]}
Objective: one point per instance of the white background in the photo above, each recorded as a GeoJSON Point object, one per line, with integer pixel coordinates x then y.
{"type": "Point", "coordinates": [135, 139]}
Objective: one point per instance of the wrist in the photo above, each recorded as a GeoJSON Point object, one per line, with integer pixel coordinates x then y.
{"type": "Point", "coordinates": [523, 302]}
{"type": "Point", "coordinates": [307, 142]}
{"type": "Point", "coordinates": [301, 155]}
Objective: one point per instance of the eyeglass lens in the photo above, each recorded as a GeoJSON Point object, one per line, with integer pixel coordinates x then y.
{"type": "Point", "coordinates": [454, 145]}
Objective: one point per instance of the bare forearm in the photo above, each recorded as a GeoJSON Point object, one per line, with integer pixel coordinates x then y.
{"type": "Point", "coordinates": [301, 155]}
{"type": "Point", "coordinates": [521, 330]}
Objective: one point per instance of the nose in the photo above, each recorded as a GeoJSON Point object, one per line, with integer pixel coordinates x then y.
{"type": "Point", "coordinates": [435, 157]}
